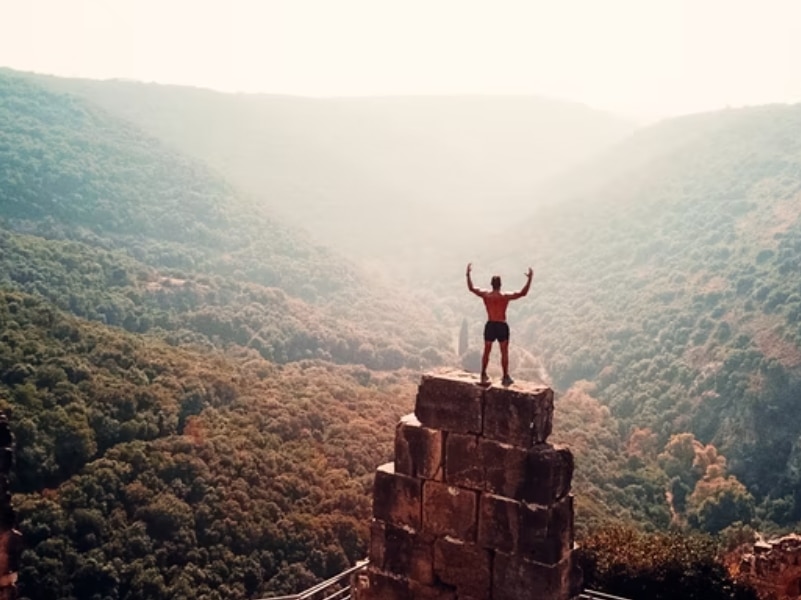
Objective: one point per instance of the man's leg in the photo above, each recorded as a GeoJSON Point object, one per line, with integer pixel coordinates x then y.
{"type": "Point", "coordinates": [485, 359]}
{"type": "Point", "coordinates": [507, 380]}
{"type": "Point", "coordinates": [505, 357]}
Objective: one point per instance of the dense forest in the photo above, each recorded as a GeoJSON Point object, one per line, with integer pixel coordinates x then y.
{"type": "Point", "coordinates": [200, 392]}
{"type": "Point", "coordinates": [150, 471]}
{"type": "Point", "coordinates": [110, 225]}
{"type": "Point", "coordinates": [671, 294]}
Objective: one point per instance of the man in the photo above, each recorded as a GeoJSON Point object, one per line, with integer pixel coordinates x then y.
{"type": "Point", "coordinates": [496, 328]}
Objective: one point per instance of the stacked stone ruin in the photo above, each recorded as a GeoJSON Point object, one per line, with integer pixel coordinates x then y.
{"type": "Point", "coordinates": [773, 567]}
{"type": "Point", "coordinates": [477, 504]}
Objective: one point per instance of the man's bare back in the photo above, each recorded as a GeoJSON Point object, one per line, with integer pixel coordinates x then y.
{"type": "Point", "coordinates": [495, 303]}
{"type": "Point", "coordinates": [496, 328]}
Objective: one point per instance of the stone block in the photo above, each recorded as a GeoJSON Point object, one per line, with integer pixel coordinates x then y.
{"type": "Point", "coordinates": [505, 468]}
{"type": "Point", "coordinates": [463, 565]}
{"type": "Point", "coordinates": [463, 463]}
{"type": "Point", "coordinates": [397, 498]}
{"type": "Point", "coordinates": [549, 473]}
{"type": "Point", "coordinates": [449, 510]}
{"type": "Point", "coordinates": [431, 592]}
{"type": "Point", "coordinates": [562, 472]}
{"type": "Point", "coordinates": [542, 474]}
{"type": "Point", "coordinates": [521, 416]}
{"type": "Point", "coordinates": [372, 584]}
{"type": "Point", "coordinates": [576, 577]}
{"type": "Point", "coordinates": [515, 577]}
{"type": "Point", "coordinates": [546, 534]}
{"type": "Point", "coordinates": [419, 450]}
{"type": "Point", "coordinates": [562, 527]}
{"type": "Point", "coordinates": [402, 551]}
{"type": "Point", "coordinates": [376, 551]}
{"type": "Point", "coordinates": [450, 402]}
{"type": "Point", "coordinates": [498, 523]}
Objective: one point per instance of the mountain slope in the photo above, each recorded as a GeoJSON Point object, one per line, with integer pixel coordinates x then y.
{"type": "Point", "coordinates": [672, 285]}
{"type": "Point", "coordinates": [378, 177]}
{"type": "Point", "coordinates": [176, 238]}
{"type": "Point", "coordinates": [149, 471]}
{"type": "Point", "coordinates": [159, 455]}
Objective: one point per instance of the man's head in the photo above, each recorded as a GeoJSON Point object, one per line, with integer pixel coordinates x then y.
{"type": "Point", "coordinates": [495, 282]}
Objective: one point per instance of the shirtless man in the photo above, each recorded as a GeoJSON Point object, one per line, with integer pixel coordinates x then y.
{"type": "Point", "coordinates": [496, 328]}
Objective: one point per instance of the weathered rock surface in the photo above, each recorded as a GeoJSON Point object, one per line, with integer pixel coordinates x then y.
{"type": "Point", "coordinates": [540, 533]}
{"type": "Point", "coordinates": [549, 472]}
{"type": "Point", "coordinates": [397, 499]}
{"type": "Point", "coordinates": [419, 450]}
{"type": "Point", "coordinates": [452, 402]}
{"type": "Point", "coordinates": [463, 565]}
{"type": "Point", "coordinates": [378, 585]}
{"type": "Point", "coordinates": [449, 510]}
{"type": "Point", "coordinates": [518, 416]}
{"type": "Point", "coordinates": [542, 474]}
{"type": "Point", "coordinates": [516, 577]}
{"type": "Point", "coordinates": [402, 551]}
{"type": "Point", "coordinates": [547, 532]}
{"type": "Point", "coordinates": [463, 464]}
{"type": "Point", "coordinates": [499, 523]}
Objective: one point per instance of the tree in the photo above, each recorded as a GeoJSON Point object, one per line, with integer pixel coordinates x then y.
{"type": "Point", "coordinates": [728, 503]}
{"type": "Point", "coordinates": [463, 341]}
{"type": "Point", "coordinates": [624, 561]}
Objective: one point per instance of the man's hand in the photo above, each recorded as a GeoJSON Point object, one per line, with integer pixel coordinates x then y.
{"type": "Point", "coordinates": [530, 273]}
{"type": "Point", "coordinates": [470, 285]}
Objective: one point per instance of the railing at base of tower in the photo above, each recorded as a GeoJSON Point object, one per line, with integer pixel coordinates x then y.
{"type": "Point", "coordinates": [338, 588]}
{"type": "Point", "coordinates": [593, 595]}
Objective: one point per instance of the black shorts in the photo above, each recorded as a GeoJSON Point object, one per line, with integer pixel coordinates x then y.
{"type": "Point", "coordinates": [496, 330]}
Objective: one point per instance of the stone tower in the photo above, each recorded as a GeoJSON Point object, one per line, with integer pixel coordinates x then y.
{"type": "Point", "coordinates": [477, 504]}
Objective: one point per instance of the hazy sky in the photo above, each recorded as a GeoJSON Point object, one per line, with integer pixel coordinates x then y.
{"type": "Point", "coordinates": [641, 57]}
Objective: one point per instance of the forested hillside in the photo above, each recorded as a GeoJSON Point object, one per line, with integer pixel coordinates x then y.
{"type": "Point", "coordinates": [118, 228]}
{"type": "Point", "coordinates": [393, 178]}
{"type": "Point", "coordinates": [167, 358]}
{"type": "Point", "coordinates": [670, 283]}
{"type": "Point", "coordinates": [152, 472]}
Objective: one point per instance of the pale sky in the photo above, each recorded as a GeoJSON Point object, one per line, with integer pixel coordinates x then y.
{"type": "Point", "coordinates": [636, 57]}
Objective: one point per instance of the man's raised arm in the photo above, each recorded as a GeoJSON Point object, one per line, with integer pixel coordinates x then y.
{"type": "Point", "coordinates": [524, 290]}
{"type": "Point", "coordinates": [470, 285]}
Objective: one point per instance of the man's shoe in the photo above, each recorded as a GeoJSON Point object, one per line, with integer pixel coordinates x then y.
{"type": "Point", "coordinates": [507, 380]}
{"type": "Point", "coordinates": [484, 379]}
